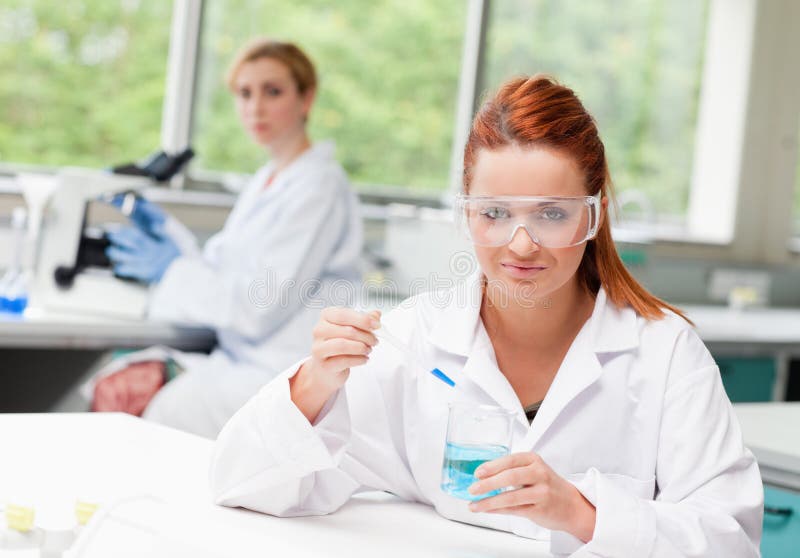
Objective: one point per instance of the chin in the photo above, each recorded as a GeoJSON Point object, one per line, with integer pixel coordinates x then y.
{"type": "Point", "coordinates": [510, 288]}
{"type": "Point", "coordinates": [261, 139]}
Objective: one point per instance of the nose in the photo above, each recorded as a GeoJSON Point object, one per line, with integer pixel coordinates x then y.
{"type": "Point", "coordinates": [255, 105]}
{"type": "Point", "coordinates": [522, 242]}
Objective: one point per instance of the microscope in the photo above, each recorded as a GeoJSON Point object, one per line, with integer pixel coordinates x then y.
{"type": "Point", "coordinates": [73, 273]}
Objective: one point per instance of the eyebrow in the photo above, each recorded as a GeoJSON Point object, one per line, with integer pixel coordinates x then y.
{"type": "Point", "coordinates": [509, 204]}
{"type": "Point", "coordinates": [267, 83]}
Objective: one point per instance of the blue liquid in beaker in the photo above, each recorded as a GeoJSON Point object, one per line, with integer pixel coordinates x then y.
{"type": "Point", "coordinates": [458, 470]}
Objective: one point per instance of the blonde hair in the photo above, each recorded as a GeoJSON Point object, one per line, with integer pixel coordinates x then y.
{"type": "Point", "coordinates": [299, 64]}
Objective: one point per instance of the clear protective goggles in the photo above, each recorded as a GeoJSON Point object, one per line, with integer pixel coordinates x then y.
{"type": "Point", "coordinates": [550, 221]}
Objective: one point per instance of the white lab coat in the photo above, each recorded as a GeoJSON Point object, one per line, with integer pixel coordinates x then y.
{"type": "Point", "coordinates": [636, 418]}
{"type": "Point", "coordinates": [285, 253]}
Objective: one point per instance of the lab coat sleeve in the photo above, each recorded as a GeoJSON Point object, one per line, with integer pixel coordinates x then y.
{"type": "Point", "coordinates": [269, 458]}
{"type": "Point", "coordinates": [257, 296]}
{"type": "Point", "coordinates": [710, 497]}
{"type": "Point", "coordinates": [182, 237]}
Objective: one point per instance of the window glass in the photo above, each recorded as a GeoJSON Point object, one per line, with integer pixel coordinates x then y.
{"type": "Point", "coordinates": [637, 66]}
{"type": "Point", "coordinates": [86, 81]}
{"type": "Point", "coordinates": [388, 73]}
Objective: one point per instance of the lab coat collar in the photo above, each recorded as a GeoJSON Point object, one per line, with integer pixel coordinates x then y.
{"type": "Point", "coordinates": [318, 154]}
{"type": "Point", "coordinates": [613, 329]}
{"type": "Point", "coordinates": [458, 323]}
{"type": "Point", "coordinates": [255, 196]}
{"type": "Point", "coordinates": [461, 332]}
{"type": "Point", "coordinates": [610, 329]}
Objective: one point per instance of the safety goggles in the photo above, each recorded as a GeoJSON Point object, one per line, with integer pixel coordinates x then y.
{"type": "Point", "coordinates": [550, 221]}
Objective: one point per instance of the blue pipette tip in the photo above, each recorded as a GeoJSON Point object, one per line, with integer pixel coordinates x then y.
{"type": "Point", "coordinates": [443, 377]}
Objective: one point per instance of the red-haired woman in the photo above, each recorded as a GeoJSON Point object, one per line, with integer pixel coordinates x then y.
{"type": "Point", "coordinates": [624, 442]}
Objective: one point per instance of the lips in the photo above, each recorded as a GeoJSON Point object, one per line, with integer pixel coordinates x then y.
{"type": "Point", "coordinates": [522, 266]}
{"type": "Point", "coordinates": [522, 270]}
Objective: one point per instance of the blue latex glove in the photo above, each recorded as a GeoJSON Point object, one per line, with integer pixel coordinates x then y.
{"type": "Point", "coordinates": [141, 256]}
{"type": "Point", "coordinates": [146, 215]}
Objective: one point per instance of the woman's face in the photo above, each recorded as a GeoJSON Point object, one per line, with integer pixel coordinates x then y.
{"type": "Point", "coordinates": [522, 267]}
{"type": "Point", "coordinates": [268, 102]}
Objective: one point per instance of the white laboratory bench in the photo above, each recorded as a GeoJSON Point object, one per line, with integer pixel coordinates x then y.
{"type": "Point", "coordinates": [772, 432]}
{"type": "Point", "coordinates": [720, 326]}
{"type": "Point", "coordinates": [49, 460]}
{"type": "Point", "coordinates": [43, 356]}
{"type": "Point", "coordinates": [773, 333]}
{"type": "Point", "coordinates": [39, 329]}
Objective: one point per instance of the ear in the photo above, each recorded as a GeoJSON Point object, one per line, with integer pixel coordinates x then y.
{"type": "Point", "coordinates": [603, 213]}
{"type": "Point", "coordinates": [308, 101]}
{"type": "Point", "coordinates": [603, 210]}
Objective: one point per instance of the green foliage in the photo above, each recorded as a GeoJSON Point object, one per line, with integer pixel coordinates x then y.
{"type": "Point", "coordinates": [88, 80]}
{"type": "Point", "coordinates": [388, 83]}
{"type": "Point", "coordinates": [636, 64]}
{"type": "Point", "coordinates": [89, 77]}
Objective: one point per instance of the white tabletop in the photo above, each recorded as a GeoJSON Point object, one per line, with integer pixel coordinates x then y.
{"type": "Point", "coordinates": [772, 432]}
{"type": "Point", "coordinates": [719, 326]}
{"type": "Point", "coordinates": [54, 458]}
{"type": "Point", "coordinates": [40, 329]}
{"type": "Point", "coordinates": [756, 326]}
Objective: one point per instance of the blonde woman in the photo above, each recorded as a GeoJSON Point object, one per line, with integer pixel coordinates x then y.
{"type": "Point", "coordinates": [295, 226]}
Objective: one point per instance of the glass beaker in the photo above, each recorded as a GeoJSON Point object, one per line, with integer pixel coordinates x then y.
{"type": "Point", "coordinates": [475, 434]}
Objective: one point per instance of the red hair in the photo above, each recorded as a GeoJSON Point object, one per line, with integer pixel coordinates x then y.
{"type": "Point", "coordinates": [538, 111]}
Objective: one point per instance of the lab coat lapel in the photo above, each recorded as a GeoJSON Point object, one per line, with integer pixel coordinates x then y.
{"type": "Point", "coordinates": [316, 155]}
{"type": "Point", "coordinates": [481, 372]}
{"type": "Point", "coordinates": [461, 332]}
{"type": "Point", "coordinates": [579, 370]}
{"type": "Point", "coordinates": [607, 332]}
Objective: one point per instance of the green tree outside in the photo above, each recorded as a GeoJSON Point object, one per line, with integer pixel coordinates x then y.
{"type": "Point", "coordinates": [388, 74]}
{"type": "Point", "coordinates": [83, 80]}
{"type": "Point", "coordinates": [87, 80]}
{"type": "Point", "coordinates": [636, 65]}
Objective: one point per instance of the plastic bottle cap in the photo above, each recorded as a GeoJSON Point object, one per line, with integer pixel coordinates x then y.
{"type": "Point", "coordinates": [84, 511]}
{"type": "Point", "coordinates": [19, 518]}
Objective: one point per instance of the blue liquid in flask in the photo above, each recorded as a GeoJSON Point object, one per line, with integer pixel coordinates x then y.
{"type": "Point", "coordinates": [458, 470]}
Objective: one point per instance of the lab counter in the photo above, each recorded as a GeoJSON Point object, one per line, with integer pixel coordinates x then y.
{"type": "Point", "coordinates": [44, 356]}
{"type": "Point", "coordinates": [38, 329]}
{"type": "Point", "coordinates": [726, 328]}
{"type": "Point", "coordinates": [753, 347]}
{"type": "Point", "coordinates": [720, 328]}
{"type": "Point", "coordinates": [772, 432]}
{"type": "Point", "coordinates": [151, 483]}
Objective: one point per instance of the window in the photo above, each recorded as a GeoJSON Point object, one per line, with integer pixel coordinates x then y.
{"type": "Point", "coordinates": [637, 66]}
{"type": "Point", "coordinates": [388, 82]}
{"type": "Point", "coordinates": [88, 80]}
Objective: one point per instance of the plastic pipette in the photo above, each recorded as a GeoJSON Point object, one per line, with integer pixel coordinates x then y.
{"type": "Point", "coordinates": [382, 333]}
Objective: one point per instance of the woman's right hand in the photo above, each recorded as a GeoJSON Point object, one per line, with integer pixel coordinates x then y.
{"type": "Point", "coordinates": [342, 339]}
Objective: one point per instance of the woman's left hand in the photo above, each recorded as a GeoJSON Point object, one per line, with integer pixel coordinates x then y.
{"type": "Point", "coordinates": [539, 494]}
